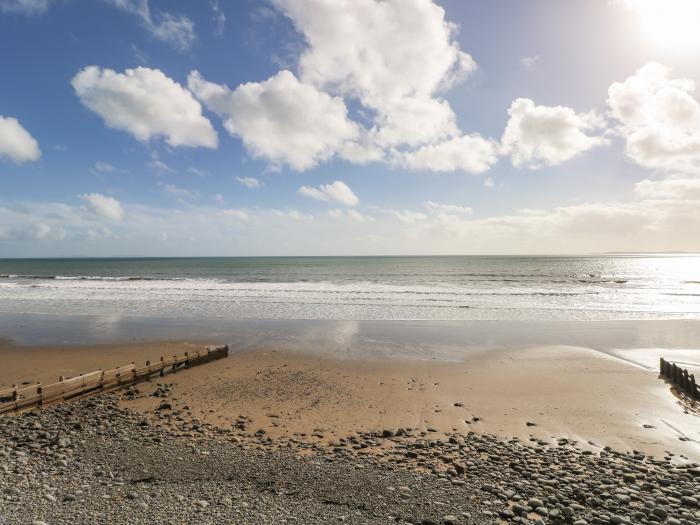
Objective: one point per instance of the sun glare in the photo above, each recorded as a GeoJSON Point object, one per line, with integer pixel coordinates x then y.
{"type": "Point", "coordinates": [671, 23]}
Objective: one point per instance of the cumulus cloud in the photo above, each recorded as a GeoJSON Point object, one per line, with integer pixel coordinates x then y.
{"type": "Point", "coordinates": [336, 192]}
{"type": "Point", "coordinates": [249, 182]}
{"type": "Point", "coordinates": [659, 117]}
{"type": "Point", "coordinates": [177, 30]}
{"type": "Point", "coordinates": [145, 103]}
{"type": "Point", "coordinates": [103, 206]}
{"type": "Point", "coordinates": [280, 119]}
{"type": "Point", "coordinates": [393, 56]}
{"type": "Point", "coordinates": [16, 143]}
{"type": "Point", "coordinates": [537, 136]}
{"type": "Point", "coordinates": [469, 153]}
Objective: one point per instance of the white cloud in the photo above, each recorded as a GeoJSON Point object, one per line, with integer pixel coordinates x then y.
{"type": "Point", "coordinates": [103, 206]}
{"type": "Point", "coordinates": [249, 182]}
{"type": "Point", "coordinates": [660, 218]}
{"type": "Point", "coordinates": [531, 61]}
{"type": "Point", "coordinates": [659, 118]}
{"type": "Point", "coordinates": [280, 119]}
{"type": "Point", "coordinates": [196, 171]}
{"type": "Point", "coordinates": [218, 16]}
{"type": "Point", "coordinates": [145, 103]}
{"type": "Point", "coordinates": [336, 192]}
{"type": "Point", "coordinates": [488, 182]}
{"type": "Point", "coordinates": [177, 30]}
{"type": "Point", "coordinates": [469, 153]}
{"type": "Point", "coordinates": [241, 215]}
{"type": "Point", "coordinates": [449, 208]}
{"type": "Point", "coordinates": [103, 167]}
{"type": "Point", "coordinates": [408, 216]}
{"type": "Point", "coordinates": [393, 56]}
{"type": "Point", "coordinates": [537, 136]}
{"type": "Point", "coordinates": [16, 143]}
{"type": "Point", "coordinates": [668, 189]}
{"type": "Point", "coordinates": [295, 215]}
{"type": "Point", "coordinates": [182, 194]}
{"type": "Point", "coordinates": [158, 165]}
{"type": "Point", "coordinates": [26, 7]}
{"type": "Point", "coordinates": [100, 233]}
{"type": "Point", "coordinates": [338, 214]}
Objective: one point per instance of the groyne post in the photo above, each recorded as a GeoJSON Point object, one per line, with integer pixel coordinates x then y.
{"type": "Point", "coordinates": [20, 398]}
{"type": "Point", "coordinates": [679, 377]}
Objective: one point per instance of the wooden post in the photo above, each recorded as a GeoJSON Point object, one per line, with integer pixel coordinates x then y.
{"type": "Point", "coordinates": [103, 379]}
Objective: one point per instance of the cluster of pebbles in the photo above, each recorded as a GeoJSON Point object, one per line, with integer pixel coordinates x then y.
{"type": "Point", "coordinates": [91, 461]}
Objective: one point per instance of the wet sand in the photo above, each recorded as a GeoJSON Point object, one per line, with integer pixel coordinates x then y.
{"type": "Point", "coordinates": [543, 392]}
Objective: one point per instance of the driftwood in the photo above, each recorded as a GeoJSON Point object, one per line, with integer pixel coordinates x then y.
{"type": "Point", "coordinates": [25, 397]}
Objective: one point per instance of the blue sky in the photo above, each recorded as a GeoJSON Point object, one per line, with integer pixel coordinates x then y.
{"type": "Point", "coordinates": [136, 127]}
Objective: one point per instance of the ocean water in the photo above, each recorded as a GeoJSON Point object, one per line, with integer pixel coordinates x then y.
{"type": "Point", "coordinates": [611, 287]}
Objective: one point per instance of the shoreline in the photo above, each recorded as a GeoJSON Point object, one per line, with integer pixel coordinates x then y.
{"type": "Point", "coordinates": [544, 393]}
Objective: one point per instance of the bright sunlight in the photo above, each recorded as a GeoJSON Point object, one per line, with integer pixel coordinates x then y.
{"type": "Point", "coordinates": [671, 23]}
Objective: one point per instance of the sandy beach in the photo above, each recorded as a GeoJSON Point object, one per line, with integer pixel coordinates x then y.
{"type": "Point", "coordinates": [546, 393]}
{"type": "Point", "coordinates": [530, 435]}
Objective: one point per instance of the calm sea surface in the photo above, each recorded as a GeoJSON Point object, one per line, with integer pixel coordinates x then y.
{"type": "Point", "coordinates": [359, 288]}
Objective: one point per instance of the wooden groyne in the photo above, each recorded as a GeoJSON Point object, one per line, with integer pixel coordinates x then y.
{"type": "Point", "coordinates": [680, 378]}
{"type": "Point", "coordinates": [26, 397]}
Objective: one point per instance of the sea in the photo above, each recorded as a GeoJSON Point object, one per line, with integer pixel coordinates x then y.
{"type": "Point", "coordinates": [600, 287]}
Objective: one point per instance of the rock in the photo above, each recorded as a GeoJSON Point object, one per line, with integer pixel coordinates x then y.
{"type": "Point", "coordinates": [535, 502]}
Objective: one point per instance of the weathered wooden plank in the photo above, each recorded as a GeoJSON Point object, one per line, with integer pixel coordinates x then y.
{"type": "Point", "coordinates": [31, 396]}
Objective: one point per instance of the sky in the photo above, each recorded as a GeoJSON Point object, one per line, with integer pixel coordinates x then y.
{"type": "Point", "coordinates": [348, 127]}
